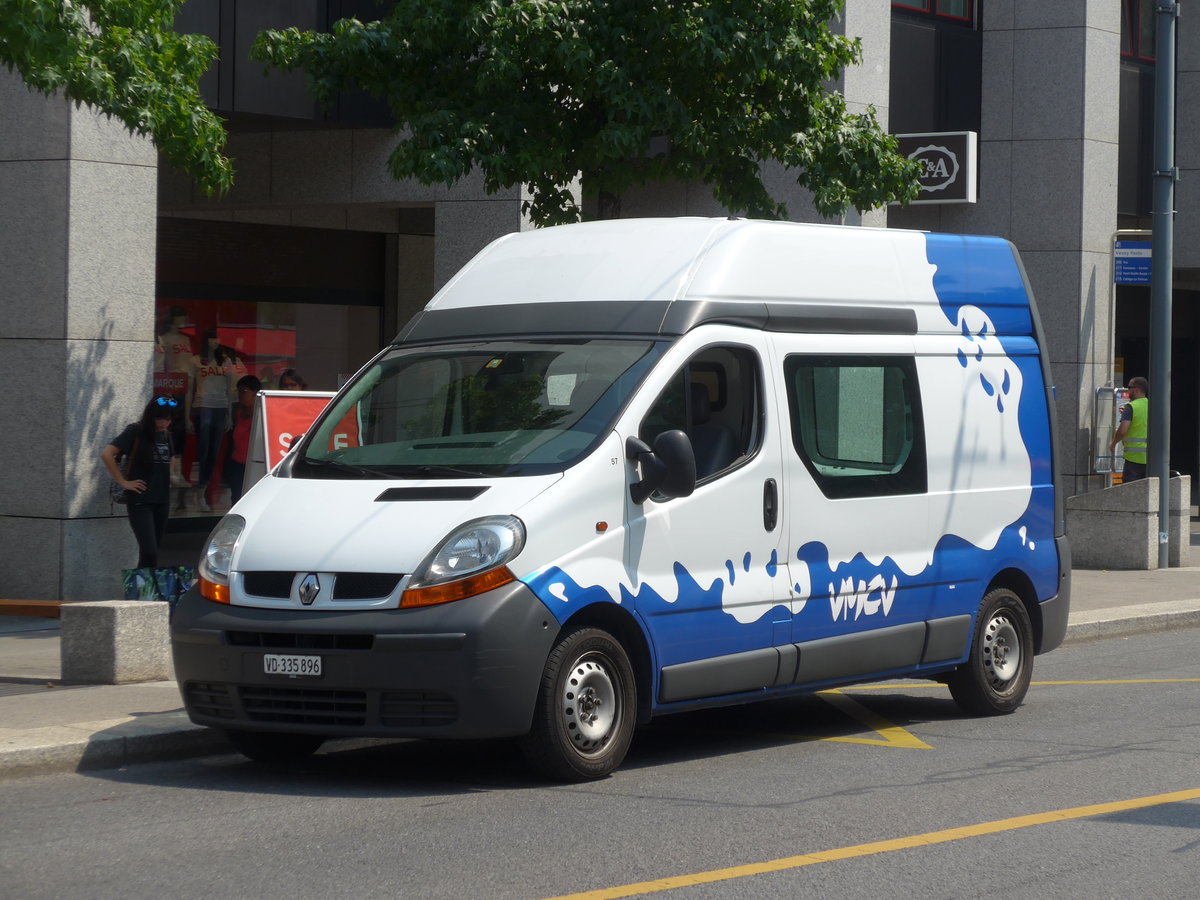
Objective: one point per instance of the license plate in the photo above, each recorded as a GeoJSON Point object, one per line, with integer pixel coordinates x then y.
{"type": "Point", "coordinates": [288, 664]}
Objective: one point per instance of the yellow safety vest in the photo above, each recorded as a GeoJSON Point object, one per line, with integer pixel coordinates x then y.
{"type": "Point", "coordinates": [1135, 437]}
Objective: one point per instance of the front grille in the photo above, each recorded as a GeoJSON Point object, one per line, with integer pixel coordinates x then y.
{"type": "Point", "coordinates": [321, 707]}
{"type": "Point", "coordinates": [304, 706]}
{"type": "Point", "coordinates": [346, 585]}
{"type": "Point", "coordinates": [287, 641]}
{"type": "Point", "coordinates": [364, 585]}
{"type": "Point", "coordinates": [407, 709]}
{"type": "Point", "coordinates": [268, 584]}
{"type": "Point", "coordinates": [210, 699]}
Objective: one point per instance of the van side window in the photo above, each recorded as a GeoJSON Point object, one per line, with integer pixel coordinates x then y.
{"type": "Point", "coordinates": [715, 400]}
{"type": "Point", "coordinates": [856, 423]}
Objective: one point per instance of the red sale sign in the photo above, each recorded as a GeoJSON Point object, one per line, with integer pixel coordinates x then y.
{"type": "Point", "coordinates": [282, 416]}
{"type": "Point", "coordinates": [287, 414]}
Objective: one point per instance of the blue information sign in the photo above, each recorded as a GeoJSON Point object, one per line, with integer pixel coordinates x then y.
{"type": "Point", "coordinates": [1131, 262]}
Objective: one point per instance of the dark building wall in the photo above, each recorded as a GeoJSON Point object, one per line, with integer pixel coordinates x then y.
{"type": "Point", "coordinates": [936, 73]}
{"type": "Point", "coordinates": [241, 89]}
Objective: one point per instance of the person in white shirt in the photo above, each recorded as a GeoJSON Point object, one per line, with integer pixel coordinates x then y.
{"type": "Point", "coordinates": [217, 371]}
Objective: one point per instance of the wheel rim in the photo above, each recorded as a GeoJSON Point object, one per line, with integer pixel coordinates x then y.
{"type": "Point", "coordinates": [1001, 650]}
{"type": "Point", "coordinates": [590, 704]}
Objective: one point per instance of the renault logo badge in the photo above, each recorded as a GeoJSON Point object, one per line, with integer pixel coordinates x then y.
{"type": "Point", "coordinates": [309, 588]}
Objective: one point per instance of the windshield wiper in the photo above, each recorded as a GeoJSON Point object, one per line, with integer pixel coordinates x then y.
{"type": "Point", "coordinates": [360, 471]}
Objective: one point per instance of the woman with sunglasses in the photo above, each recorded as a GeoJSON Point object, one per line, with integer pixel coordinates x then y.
{"type": "Point", "coordinates": [145, 474]}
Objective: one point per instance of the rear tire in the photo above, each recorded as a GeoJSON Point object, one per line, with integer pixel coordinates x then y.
{"type": "Point", "coordinates": [273, 747]}
{"type": "Point", "coordinates": [996, 675]}
{"type": "Point", "coordinates": [586, 708]}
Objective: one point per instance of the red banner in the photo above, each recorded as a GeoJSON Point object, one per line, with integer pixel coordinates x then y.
{"type": "Point", "coordinates": [288, 415]}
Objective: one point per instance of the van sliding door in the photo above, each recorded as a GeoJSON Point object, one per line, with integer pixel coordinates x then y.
{"type": "Point", "coordinates": [856, 483]}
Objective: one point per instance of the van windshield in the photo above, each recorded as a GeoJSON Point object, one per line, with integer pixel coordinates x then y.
{"type": "Point", "coordinates": [479, 409]}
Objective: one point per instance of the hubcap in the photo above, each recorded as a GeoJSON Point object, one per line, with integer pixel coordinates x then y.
{"type": "Point", "coordinates": [1001, 650]}
{"type": "Point", "coordinates": [589, 704]}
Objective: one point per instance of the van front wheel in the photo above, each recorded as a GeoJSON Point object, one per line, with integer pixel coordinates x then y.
{"type": "Point", "coordinates": [996, 675]}
{"type": "Point", "coordinates": [586, 708]}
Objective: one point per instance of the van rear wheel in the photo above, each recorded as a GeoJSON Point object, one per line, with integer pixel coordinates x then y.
{"type": "Point", "coordinates": [273, 747]}
{"type": "Point", "coordinates": [996, 675]}
{"type": "Point", "coordinates": [586, 708]}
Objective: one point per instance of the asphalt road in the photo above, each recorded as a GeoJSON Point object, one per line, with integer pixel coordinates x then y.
{"type": "Point", "coordinates": [1092, 789]}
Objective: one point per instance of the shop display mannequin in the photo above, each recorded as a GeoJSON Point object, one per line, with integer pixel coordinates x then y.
{"type": "Point", "coordinates": [217, 371]}
{"type": "Point", "coordinates": [178, 355]}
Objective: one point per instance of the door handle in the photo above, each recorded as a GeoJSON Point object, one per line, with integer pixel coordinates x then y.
{"type": "Point", "coordinates": [770, 505]}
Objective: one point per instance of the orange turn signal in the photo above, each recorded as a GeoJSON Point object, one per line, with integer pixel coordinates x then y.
{"type": "Point", "coordinates": [457, 590]}
{"type": "Point", "coordinates": [218, 593]}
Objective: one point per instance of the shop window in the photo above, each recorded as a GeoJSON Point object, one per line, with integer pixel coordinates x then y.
{"type": "Point", "coordinates": [856, 423]}
{"type": "Point", "coordinates": [205, 346]}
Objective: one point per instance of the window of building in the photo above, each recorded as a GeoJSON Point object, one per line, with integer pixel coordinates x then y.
{"type": "Point", "coordinates": [856, 424]}
{"type": "Point", "coordinates": [937, 67]}
{"type": "Point", "coordinates": [715, 400]}
{"type": "Point", "coordinates": [1138, 29]}
{"type": "Point", "coordinates": [236, 299]}
{"type": "Point", "coordinates": [959, 10]}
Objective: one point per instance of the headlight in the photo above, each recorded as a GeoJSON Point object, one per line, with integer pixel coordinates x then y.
{"type": "Point", "coordinates": [218, 557]}
{"type": "Point", "coordinates": [469, 561]}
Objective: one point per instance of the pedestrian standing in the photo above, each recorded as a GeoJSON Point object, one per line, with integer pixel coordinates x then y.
{"type": "Point", "coordinates": [146, 477]}
{"type": "Point", "coordinates": [248, 387]}
{"type": "Point", "coordinates": [1134, 429]}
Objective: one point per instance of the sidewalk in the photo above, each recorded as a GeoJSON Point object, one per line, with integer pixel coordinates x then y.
{"type": "Point", "coordinates": [49, 726]}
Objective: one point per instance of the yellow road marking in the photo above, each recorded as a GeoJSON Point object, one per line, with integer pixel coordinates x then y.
{"type": "Point", "coordinates": [890, 735]}
{"type": "Point", "coordinates": [870, 849]}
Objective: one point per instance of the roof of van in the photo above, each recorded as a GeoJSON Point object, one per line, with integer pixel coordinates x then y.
{"type": "Point", "coordinates": [664, 276]}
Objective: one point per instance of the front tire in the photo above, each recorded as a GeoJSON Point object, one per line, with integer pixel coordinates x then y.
{"type": "Point", "coordinates": [996, 675]}
{"type": "Point", "coordinates": [273, 747]}
{"type": "Point", "coordinates": [586, 708]}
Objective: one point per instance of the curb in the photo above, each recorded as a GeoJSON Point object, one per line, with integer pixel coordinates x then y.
{"type": "Point", "coordinates": [106, 745]}
{"type": "Point", "coordinates": [156, 737]}
{"type": "Point", "coordinates": [1139, 618]}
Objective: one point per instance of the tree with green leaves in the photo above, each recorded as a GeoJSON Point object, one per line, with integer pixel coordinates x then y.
{"type": "Point", "coordinates": [123, 58]}
{"type": "Point", "coordinates": [537, 92]}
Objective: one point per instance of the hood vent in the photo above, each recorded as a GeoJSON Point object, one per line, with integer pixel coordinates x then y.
{"type": "Point", "coordinates": [449, 492]}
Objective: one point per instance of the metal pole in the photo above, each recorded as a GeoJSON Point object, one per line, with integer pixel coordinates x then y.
{"type": "Point", "coordinates": [1162, 219]}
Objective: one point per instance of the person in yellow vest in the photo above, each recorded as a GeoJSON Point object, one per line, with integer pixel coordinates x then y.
{"type": "Point", "coordinates": [1134, 429]}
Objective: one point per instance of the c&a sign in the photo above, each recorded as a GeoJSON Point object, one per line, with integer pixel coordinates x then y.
{"type": "Point", "coordinates": [948, 165]}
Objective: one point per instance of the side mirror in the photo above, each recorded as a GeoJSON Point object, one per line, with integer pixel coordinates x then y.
{"type": "Point", "coordinates": [669, 469]}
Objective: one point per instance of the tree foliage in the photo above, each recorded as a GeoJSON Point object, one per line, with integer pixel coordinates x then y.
{"type": "Point", "coordinates": [122, 58]}
{"type": "Point", "coordinates": [537, 91]}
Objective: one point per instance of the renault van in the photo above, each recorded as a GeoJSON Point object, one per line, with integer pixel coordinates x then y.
{"type": "Point", "coordinates": [623, 469]}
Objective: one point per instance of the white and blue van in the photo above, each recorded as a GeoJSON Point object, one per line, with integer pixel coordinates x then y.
{"type": "Point", "coordinates": [628, 468]}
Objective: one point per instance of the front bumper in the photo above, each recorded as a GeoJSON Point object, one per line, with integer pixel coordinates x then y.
{"type": "Point", "coordinates": [468, 669]}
